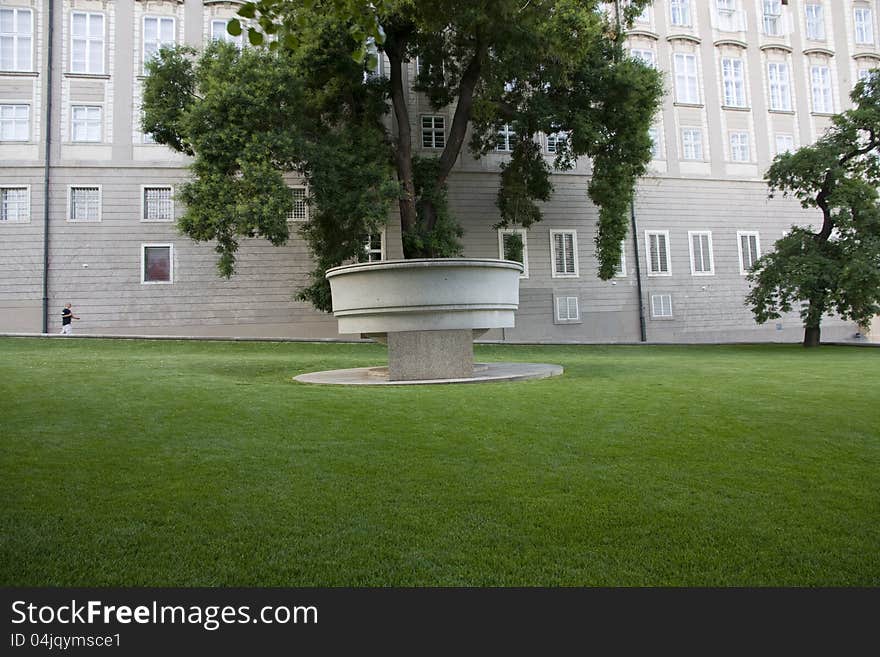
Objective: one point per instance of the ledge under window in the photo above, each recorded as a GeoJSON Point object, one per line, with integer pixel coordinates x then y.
{"type": "Point", "coordinates": [20, 74]}
{"type": "Point", "coordinates": [88, 76]}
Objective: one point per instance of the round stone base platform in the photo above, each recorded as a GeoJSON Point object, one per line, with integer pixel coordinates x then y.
{"type": "Point", "coordinates": [483, 373]}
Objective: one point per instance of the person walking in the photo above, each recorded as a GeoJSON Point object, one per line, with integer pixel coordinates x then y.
{"type": "Point", "coordinates": [67, 317]}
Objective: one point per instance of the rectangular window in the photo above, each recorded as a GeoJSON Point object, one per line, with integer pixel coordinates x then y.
{"type": "Point", "coordinates": [16, 37]}
{"type": "Point", "coordinates": [644, 55]}
{"type": "Point", "coordinates": [15, 122]}
{"type": "Point", "coordinates": [773, 17]}
{"type": "Point", "coordinates": [863, 74]}
{"type": "Point", "coordinates": [815, 18]}
{"type": "Point", "coordinates": [86, 42]}
{"type": "Point", "coordinates": [374, 247]}
{"type": "Point", "coordinates": [691, 144]}
{"type": "Point", "coordinates": [657, 248]}
{"type": "Point", "coordinates": [85, 123]}
{"type": "Point", "coordinates": [84, 204]}
{"type": "Point", "coordinates": [157, 263]}
{"type": "Point", "coordinates": [513, 245]}
{"type": "Point", "coordinates": [300, 211]}
{"type": "Point", "coordinates": [219, 33]}
{"type": "Point", "coordinates": [864, 25]}
{"type": "Point", "coordinates": [433, 131]}
{"type": "Point", "coordinates": [661, 306]}
{"type": "Point", "coordinates": [733, 78]}
{"type": "Point", "coordinates": [567, 309]}
{"type": "Point", "coordinates": [654, 134]}
{"type": "Point", "coordinates": [505, 140]}
{"type": "Point", "coordinates": [15, 205]}
{"type": "Point", "coordinates": [729, 19]}
{"type": "Point", "coordinates": [749, 244]}
{"type": "Point", "coordinates": [680, 12]}
{"type": "Point", "coordinates": [780, 87]}
{"type": "Point", "coordinates": [784, 143]}
{"type": "Point", "coordinates": [687, 88]}
{"type": "Point", "coordinates": [620, 268]}
{"type": "Point", "coordinates": [702, 262]}
{"type": "Point", "coordinates": [563, 246]}
{"type": "Point", "coordinates": [158, 34]}
{"type": "Point", "coordinates": [820, 77]}
{"type": "Point", "coordinates": [555, 141]}
{"type": "Point", "coordinates": [739, 146]}
{"type": "Point", "coordinates": [158, 204]}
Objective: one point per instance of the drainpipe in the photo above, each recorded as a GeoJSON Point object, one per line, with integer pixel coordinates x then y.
{"type": "Point", "coordinates": [642, 329]}
{"type": "Point", "coordinates": [47, 168]}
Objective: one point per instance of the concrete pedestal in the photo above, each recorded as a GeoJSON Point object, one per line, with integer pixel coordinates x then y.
{"type": "Point", "coordinates": [423, 355]}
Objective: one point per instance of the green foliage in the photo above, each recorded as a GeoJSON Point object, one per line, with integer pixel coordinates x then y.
{"type": "Point", "coordinates": [442, 239]}
{"type": "Point", "coordinates": [837, 268]}
{"type": "Point", "coordinates": [302, 104]}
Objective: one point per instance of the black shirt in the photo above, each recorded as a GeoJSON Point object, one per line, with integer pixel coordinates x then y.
{"type": "Point", "coordinates": [66, 316]}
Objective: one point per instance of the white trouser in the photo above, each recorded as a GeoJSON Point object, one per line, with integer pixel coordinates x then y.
{"type": "Point", "coordinates": [67, 329]}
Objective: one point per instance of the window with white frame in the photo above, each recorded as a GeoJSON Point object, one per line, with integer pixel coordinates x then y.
{"type": "Point", "coordinates": [555, 141]}
{"type": "Point", "coordinates": [300, 210]}
{"type": "Point", "coordinates": [513, 245]}
{"type": "Point", "coordinates": [158, 204]}
{"type": "Point", "coordinates": [15, 204]}
{"type": "Point", "coordinates": [702, 261]}
{"type": "Point", "coordinates": [620, 267]}
{"type": "Point", "coordinates": [563, 252]}
{"type": "Point", "coordinates": [433, 131]}
{"type": "Point", "coordinates": [220, 33]}
{"type": "Point", "coordinates": [16, 37]}
{"type": "Point", "coordinates": [506, 139]}
{"type": "Point", "coordinates": [645, 16]}
{"type": "Point", "coordinates": [687, 86]}
{"type": "Point", "coordinates": [814, 15]}
{"type": "Point", "coordinates": [657, 248]}
{"type": "Point", "coordinates": [157, 263]}
{"type": "Point", "coordinates": [86, 42]}
{"type": "Point", "coordinates": [749, 244]}
{"type": "Point", "coordinates": [374, 247]}
{"type": "Point", "coordinates": [772, 17]}
{"type": "Point", "coordinates": [820, 78]}
{"type": "Point", "coordinates": [85, 123]}
{"type": "Point", "coordinates": [784, 143]}
{"type": "Point", "coordinates": [567, 309]}
{"type": "Point", "coordinates": [661, 306]}
{"type": "Point", "coordinates": [158, 34]}
{"type": "Point", "coordinates": [691, 144]}
{"type": "Point", "coordinates": [15, 122]}
{"type": "Point", "coordinates": [728, 16]}
{"type": "Point", "coordinates": [148, 138]}
{"type": "Point", "coordinates": [654, 134]}
{"type": "Point", "coordinates": [680, 12]}
{"type": "Point", "coordinates": [84, 204]}
{"type": "Point", "coordinates": [733, 81]}
{"type": "Point", "coordinates": [780, 86]}
{"type": "Point", "coordinates": [644, 55]}
{"type": "Point", "coordinates": [864, 25]}
{"type": "Point", "coordinates": [739, 146]}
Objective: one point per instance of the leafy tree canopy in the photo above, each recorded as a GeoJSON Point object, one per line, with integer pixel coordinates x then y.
{"type": "Point", "coordinates": [837, 268]}
{"type": "Point", "coordinates": [307, 105]}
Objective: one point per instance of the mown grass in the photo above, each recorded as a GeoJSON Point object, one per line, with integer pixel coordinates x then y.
{"type": "Point", "coordinates": [162, 463]}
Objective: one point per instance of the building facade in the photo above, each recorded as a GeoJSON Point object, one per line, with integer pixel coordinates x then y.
{"type": "Point", "coordinates": [94, 224]}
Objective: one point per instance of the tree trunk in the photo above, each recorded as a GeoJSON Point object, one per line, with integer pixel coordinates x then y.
{"type": "Point", "coordinates": [403, 147]}
{"type": "Point", "coordinates": [812, 336]}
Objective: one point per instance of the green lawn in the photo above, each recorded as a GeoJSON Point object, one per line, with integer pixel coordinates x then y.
{"type": "Point", "coordinates": [160, 463]}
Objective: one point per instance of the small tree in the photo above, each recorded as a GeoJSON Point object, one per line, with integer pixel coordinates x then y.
{"type": "Point", "coordinates": [837, 269]}
{"type": "Point", "coordinates": [306, 105]}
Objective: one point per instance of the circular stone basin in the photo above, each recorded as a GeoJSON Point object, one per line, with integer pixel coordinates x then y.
{"type": "Point", "coordinates": [433, 294]}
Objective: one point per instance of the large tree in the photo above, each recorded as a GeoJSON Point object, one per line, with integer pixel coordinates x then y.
{"type": "Point", "coordinates": [835, 269]}
{"type": "Point", "coordinates": [305, 104]}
